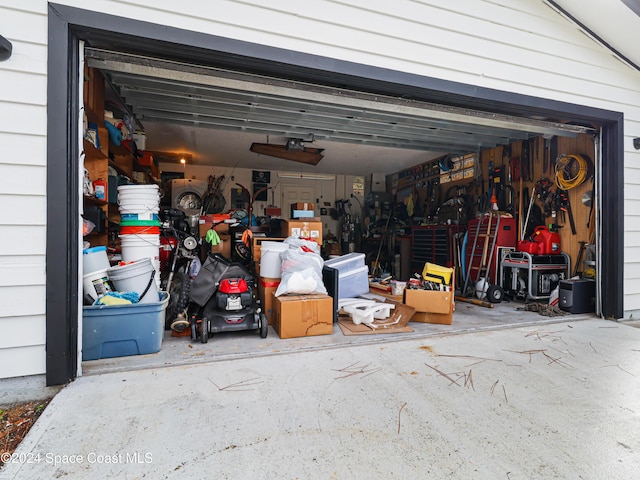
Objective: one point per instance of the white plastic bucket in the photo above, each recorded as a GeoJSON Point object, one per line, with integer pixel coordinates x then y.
{"type": "Point", "coordinates": [137, 246]}
{"type": "Point", "coordinates": [136, 277]}
{"type": "Point", "coordinates": [138, 188]}
{"type": "Point", "coordinates": [270, 263]}
{"type": "Point", "coordinates": [139, 212]}
{"type": "Point", "coordinates": [94, 259]}
{"type": "Point", "coordinates": [139, 202]}
{"type": "Point", "coordinates": [138, 215]}
{"type": "Point", "coordinates": [95, 284]}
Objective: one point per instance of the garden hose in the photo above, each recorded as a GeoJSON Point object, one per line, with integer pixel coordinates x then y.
{"type": "Point", "coordinates": [563, 167]}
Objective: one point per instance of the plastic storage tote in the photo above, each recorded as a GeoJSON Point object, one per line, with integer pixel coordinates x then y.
{"type": "Point", "coordinates": [346, 263]}
{"type": "Point", "coordinates": [122, 330]}
{"type": "Point", "coordinates": [353, 283]}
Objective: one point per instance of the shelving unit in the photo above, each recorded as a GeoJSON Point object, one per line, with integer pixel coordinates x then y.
{"type": "Point", "coordinates": [98, 158]}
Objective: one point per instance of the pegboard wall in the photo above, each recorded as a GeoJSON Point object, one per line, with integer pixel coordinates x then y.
{"type": "Point", "coordinates": [431, 185]}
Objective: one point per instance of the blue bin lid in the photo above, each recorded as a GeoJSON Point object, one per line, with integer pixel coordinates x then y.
{"type": "Point", "coordinates": [88, 251]}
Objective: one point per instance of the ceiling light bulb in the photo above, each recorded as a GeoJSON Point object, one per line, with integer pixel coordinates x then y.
{"type": "Point", "coordinates": [183, 161]}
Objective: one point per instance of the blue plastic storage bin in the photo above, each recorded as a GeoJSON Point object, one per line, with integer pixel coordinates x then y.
{"type": "Point", "coordinates": [122, 330]}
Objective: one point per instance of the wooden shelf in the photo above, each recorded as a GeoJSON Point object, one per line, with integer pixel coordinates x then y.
{"type": "Point", "coordinates": [122, 168]}
{"type": "Point", "coordinates": [91, 152]}
{"type": "Point", "coordinates": [94, 201]}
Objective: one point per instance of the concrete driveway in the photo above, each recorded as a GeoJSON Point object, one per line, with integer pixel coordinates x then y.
{"type": "Point", "coordinates": [554, 401]}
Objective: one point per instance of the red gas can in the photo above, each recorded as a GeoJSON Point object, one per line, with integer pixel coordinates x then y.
{"type": "Point", "coordinates": [548, 241]}
{"type": "Point", "coordinates": [528, 246]}
{"type": "Point", "coordinates": [544, 242]}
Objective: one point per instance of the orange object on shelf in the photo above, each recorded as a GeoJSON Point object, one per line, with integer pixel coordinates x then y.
{"type": "Point", "coordinates": [100, 187]}
{"type": "Point", "coordinates": [146, 160]}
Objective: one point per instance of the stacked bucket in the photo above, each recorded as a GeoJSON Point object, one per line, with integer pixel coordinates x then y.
{"type": "Point", "coordinates": [139, 206]}
{"type": "Point", "coordinates": [95, 276]}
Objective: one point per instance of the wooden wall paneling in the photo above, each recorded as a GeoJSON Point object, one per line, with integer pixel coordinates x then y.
{"type": "Point", "coordinates": [582, 145]}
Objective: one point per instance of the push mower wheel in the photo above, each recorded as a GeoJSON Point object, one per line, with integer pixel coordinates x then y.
{"type": "Point", "coordinates": [264, 326]}
{"type": "Point", "coordinates": [204, 331]}
{"type": "Point", "coordinates": [495, 294]}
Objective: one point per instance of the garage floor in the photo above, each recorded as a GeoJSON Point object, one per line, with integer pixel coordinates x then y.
{"type": "Point", "coordinates": [534, 401]}
{"type": "Point", "coordinates": [182, 351]}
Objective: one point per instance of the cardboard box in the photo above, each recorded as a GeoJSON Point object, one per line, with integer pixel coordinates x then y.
{"type": "Point", "coordinates": [273, 211]}
{"type": "Point", "coordinates": [387, 295]}
{"type": "Point", "coordinates": [256, 246]}
{"type": "Point", "coordinates": [302, 214]}
{"type": "Point", "coordinates": [303, 315]}
{"type": "Point", "coordinates": [206, 221]}
{"type": "Point", "coordinates": [431, 306]}
{"type": "Point", "coordinates": [439, 318]}
{"type": "Point", "coordinates": [308, 228]}
{"type": "Point", "coordinates": [302, 206]}
{"type": "Point", "coordinates": [224, 246]}
{"type": "Point", "coordinates": [266, 288]}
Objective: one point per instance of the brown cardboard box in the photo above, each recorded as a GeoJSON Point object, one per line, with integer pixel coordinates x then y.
{"type": "Point", "coordinates": [266, 288]}
{"type": "Point", "coordinates": [426, 317]}
{"type": "Point", "coordinates": [431, 306]}
{"type": "Point", "coordinates": [256, 244]}
{"type": "Point", "coordinates": [205, 223]}
{"type": "Point", "coordinates": [393, 298]}
{"type": "Point", "coordinates": [302, 206]}
{"type": "Point", "coordinates": [303, 228]}
{"type": "Point", "coordinates": [224, 246]}
{"type": "Point", "coordinates": [303, 315]}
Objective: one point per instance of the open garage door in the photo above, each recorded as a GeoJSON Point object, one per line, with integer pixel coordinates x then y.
{"type": "Point", "coordinates": [168, 76]}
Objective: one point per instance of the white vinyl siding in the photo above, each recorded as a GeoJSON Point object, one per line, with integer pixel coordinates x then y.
{"type": "Point", "coordinates": [520, 46]}
{"type": "Point", "coordinates": [23, 202]}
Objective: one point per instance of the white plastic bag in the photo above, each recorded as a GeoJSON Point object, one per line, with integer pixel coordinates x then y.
{"type": "Point", "coordinates": [301, 271]}
{"type": "Point", "coordinates": [304, 245]}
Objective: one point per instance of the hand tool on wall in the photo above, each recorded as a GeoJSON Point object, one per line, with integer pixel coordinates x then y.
{"type": "Point", "coordinates": [490, 180]}
{"type": "Point", "coordinates": [526, 220]}
{"type": "Point", "coordinates": [565, 206]}
{"type": "Point", "coordinates": [514, 169]}
{"type": "Point", "coordinates": [546, 162]}
{"type": "Point", "coordinates": [506, 152]}
{"type": "Point", "coordinates": [525, 164]}
{"type": "Point", "coordinates": [520, 207]}
{"type": "Point", "coordinates": [531, 158]}
{"type": "Point", "coordinates": [576, 270]}
{"type": "Point", "coordinates": [553, 153]}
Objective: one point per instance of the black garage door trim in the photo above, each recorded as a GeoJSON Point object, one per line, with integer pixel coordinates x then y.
{"type": "Point", "coordinates": [68, 25]}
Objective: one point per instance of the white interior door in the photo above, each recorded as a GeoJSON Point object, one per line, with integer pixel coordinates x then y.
{"type": "Point", "coordinates": [296, 193]}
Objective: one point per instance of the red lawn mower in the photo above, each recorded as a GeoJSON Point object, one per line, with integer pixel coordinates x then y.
{"type": "Point", "coordinates": [224, 299]}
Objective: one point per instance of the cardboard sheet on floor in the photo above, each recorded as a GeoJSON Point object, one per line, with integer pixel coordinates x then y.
{"type": "Point", "coordinates": [401, 311]}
